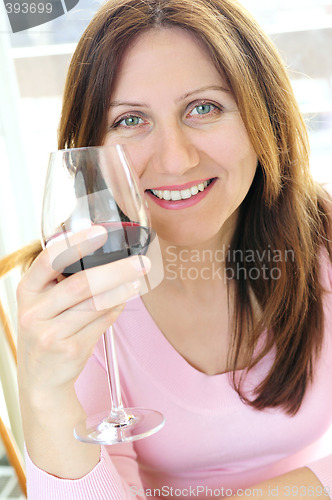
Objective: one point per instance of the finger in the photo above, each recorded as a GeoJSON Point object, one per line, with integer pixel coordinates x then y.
{"type": "Point", "coordinates": [87, 285]}
{"type": "Point", "coordinates": [64, 251]}
{"type": "Point", "coordinates": [87, 337]}
{"type": "Point", "coordinates": [106, 300]}
{"type": "Point", "coordinates": [73, 322]}
{"type": "Point", "coordinates": [68, 355]}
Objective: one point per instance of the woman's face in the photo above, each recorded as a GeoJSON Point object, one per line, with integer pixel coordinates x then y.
{"type": "Point", "coordinates": [184, 134]}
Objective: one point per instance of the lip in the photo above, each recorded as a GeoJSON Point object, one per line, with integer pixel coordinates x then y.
{"type": "Point", "coordinates": [181, 204]}
{"type": "Point", "coordinates": [180, 187]}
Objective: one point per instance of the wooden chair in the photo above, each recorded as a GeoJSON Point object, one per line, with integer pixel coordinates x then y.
{"type": "Point", "coordinates": [13, 451]}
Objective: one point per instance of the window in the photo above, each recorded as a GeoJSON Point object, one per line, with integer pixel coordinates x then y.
{"type": "Point", "coordinates": [302, 31]}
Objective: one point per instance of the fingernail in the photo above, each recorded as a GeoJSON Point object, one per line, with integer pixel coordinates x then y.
{"type": "Point", "coordinates": [142, 264]}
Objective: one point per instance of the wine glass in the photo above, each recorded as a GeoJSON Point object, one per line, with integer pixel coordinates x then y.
{"type": "Point", "coordinates": [96, 186]}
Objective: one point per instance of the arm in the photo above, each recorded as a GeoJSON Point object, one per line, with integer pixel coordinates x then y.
{"type": "Point", "coordinates": [59, 326]}
{"type": "Point", "coordinates": [115, 476]}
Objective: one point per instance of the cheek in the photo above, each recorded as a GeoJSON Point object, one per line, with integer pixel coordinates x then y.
{"type": "Point", "coordinates": [136, 153]}
{"type": "Point", "coordinates": [234, 157]}
{"type": "Point", "coordinates": [239, 154]}
{"type": "Point", "coordinates": [227, 142]}
{"type": "Point", "coordinates": [139, 157]}
{"type": "Point", "coordinates": [237, 161]}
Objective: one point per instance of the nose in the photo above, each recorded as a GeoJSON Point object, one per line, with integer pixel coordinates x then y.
{"type": "Point", "coordinates": [174, 151]}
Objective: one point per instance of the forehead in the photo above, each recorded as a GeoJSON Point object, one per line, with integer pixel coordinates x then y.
{"type": "Point", "coordinates": [163, 54]}
{"type": "Point", "coordinates": [157, 37]}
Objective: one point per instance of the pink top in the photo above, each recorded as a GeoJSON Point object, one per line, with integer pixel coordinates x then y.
{"type": "Point", "coordinates": [211, 440]}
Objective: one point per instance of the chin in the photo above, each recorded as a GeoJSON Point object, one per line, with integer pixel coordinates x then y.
{"type": "Point", "coordinates": [185, 237]}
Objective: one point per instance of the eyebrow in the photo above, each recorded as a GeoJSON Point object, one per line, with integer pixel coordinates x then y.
{"type": "Point", "coordinates": [203, 89]}
{"type": "Point", "coordinates": [114, 104]}
{"type": "Point", "coordinates": [129, 103]}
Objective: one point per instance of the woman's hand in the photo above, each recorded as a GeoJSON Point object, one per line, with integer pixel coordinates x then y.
{"type": "Point", "coordinates": [60, 321]}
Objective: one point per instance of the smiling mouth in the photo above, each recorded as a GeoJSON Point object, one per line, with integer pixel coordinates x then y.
{"type": "Point", "coordinates": [184, 194]}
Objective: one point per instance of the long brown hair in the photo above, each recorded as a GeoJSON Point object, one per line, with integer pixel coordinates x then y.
{"type": "Point", "coordinates": [284, 209]}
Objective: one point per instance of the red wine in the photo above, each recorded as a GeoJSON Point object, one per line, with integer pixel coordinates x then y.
{"type": "Point", "coordinates": [123, 240]}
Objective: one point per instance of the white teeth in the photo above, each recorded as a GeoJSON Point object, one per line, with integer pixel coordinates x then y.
{"type": "Point", "coordinates": [184, 194]}
{"type": "Point", "coordinates": [175, 195]}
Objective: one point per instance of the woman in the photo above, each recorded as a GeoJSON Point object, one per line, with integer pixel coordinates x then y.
{"type": "Point", "coordinates": [233, 346]}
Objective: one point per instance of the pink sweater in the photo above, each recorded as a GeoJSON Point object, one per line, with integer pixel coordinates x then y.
{"type": "Point", "coordinates": [211, 441]}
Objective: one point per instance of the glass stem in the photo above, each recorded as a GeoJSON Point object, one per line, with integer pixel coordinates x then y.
{"type": "Point", "coordinates": [117, 411]}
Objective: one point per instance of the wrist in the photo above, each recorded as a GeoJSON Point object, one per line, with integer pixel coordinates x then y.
{"type": "Point", "coordinates": [51, 406]}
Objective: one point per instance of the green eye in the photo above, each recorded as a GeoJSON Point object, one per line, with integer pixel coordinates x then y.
{"type": "Point", "coordinates": [131, 121]}
{"type": "Point", "coordinates": [207, 111]}
{"type": "Point", "coordinates": [203, 109]}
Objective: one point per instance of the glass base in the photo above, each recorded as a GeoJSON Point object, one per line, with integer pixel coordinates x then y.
{"type": "Point", "coordinates": [127, 425]}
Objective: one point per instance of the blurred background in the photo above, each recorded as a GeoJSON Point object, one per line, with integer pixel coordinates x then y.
{"type": "Point", "coordinates": [33, 65]}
